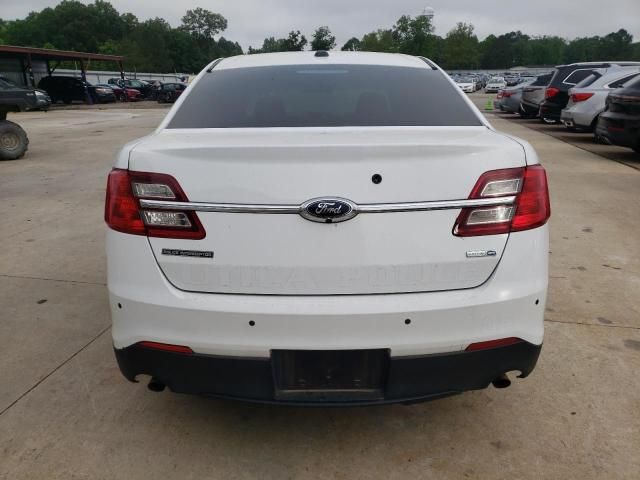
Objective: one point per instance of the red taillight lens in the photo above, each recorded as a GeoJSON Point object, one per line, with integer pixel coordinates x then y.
{"type": "Point", "coordinates": [503, 342]}
{"type": "Point", "coordinates": [533, 208]}
{"type": "Point", "coordinates": [581, 97]}
{"type": "Point", "coordinates": [530, 209]}
{"type": "Point", "coordinates": [551, 92]}
{"type": "Point", "coordinates": [166, 347]}
{"type": "Point", "coordinates": [507, 94]}
{"type": "Point", "coordinates": [123, 213]}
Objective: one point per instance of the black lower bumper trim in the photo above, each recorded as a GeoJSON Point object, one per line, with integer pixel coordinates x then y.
{"type": "Point", "coordinates": [408, 379]}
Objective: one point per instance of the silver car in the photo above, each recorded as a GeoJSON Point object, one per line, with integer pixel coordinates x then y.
{"type": "Point", "coordinates": [512, 96]}
{"type": "Point", "coordinates": [533, 95]}
{"type": "Point", "coordinates": [587, 99]}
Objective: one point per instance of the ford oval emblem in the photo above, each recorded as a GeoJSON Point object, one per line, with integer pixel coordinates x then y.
{"type": "Point", "coordinates": [328, 210]}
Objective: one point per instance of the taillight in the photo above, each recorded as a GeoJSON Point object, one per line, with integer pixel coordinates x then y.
{"type": "Point", "coordinates": [551, 92]}
{"type": "Point", "coordinates": [530, 209]}
{"type": "Point", "coordinates": [581, 97]}
{"type": "Point", "coordinates": [500, 94]}
{"type": "Point", "coordinates": [123, 213]}
{"type": "Point", "coordinates": [507, 94]}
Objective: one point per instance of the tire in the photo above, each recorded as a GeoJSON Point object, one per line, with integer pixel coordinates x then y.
{"type": "Point", "coordinates": [66, 101]}
{"type": "Point", "coordinates": [13, 141]}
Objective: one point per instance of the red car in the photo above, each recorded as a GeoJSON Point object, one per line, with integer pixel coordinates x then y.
{"type": "Point", "coordinates": [124, 94]}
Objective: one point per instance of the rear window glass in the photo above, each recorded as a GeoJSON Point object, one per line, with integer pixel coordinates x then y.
{"type": "Point", "coordinates": [589, 80]}
{"type": "Point", "coordinates": [622, 81]}
{"type": "Point", "coordinates": [323, 96]}
{"type": "Point", "coordinates": [577, 76]}
{"type": "Point", "coordinates": [542, 80]}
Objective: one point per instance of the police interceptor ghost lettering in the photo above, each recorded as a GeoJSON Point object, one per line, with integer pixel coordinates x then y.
{"type": "Point", "coordinates": [334, 228]}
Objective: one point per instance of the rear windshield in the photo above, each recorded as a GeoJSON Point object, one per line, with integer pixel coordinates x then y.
{"type": "Point", "coordinates": [323, 96]}
{"type": "Point", "coordinates": [542, 80]}
{"type": "Point", "coordinates": [589, 80]}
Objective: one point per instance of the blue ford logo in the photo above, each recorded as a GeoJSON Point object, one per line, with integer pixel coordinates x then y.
{"type": "Point", "coordinates": [328, 210]}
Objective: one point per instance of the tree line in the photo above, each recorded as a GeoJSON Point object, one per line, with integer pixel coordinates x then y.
{"type": "Point", "coordinates": [155, 46]}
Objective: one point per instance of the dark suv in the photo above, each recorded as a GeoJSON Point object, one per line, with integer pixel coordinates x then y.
{"type": "Point", "coordinates": [15, 98]}
{"type": "Point", "coordinates": [564, 78]}
{"type": "Point", "coordinates": [620, 122]}
{"type": "Point", "coordinates": [68, 89]}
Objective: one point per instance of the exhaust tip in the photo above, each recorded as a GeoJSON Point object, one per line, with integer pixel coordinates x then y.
{"type": "Point", "coordinates": [155, 385]}
{"type": "Point", "coordinates": [502, 381]}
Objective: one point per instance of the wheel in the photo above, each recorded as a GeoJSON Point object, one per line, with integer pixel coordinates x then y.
{"type": "Point", "coordinates": [13, 141]}
{"type": "Point", "coordinates": [123, 97]}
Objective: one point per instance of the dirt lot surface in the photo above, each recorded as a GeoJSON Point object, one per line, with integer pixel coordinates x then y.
{"type": "Point", "coordinates": [67, 413]}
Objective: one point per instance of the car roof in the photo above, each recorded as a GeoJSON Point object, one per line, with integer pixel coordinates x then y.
{"type": "Point", "coordinates": [333, 57]}
{"type": "Point", "coordinates": [604, 64]}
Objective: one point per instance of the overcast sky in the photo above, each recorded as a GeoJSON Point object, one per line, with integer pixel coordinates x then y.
{"type": "Point", "coordinates": [250, 21]}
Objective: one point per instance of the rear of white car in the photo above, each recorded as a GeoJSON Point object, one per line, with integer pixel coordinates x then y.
{"type": "Point", "coordinates": [328, 228]}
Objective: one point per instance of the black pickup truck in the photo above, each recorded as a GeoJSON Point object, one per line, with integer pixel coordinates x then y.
{"type": "Point", "coordinates": [13, 98]}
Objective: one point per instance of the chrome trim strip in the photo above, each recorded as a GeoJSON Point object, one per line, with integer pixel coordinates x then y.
{"type": "Point", "coordinates": [219, 207]}
{"type": "Point", "coordinates": [365, 208]}
{"type": "Point", "coordinates": [437, 205]}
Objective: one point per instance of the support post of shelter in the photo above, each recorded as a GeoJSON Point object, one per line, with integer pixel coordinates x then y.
{"type": "Point", "coordinates": [83, 75]}
{"type": "Point", "coordinates": [31, 80]}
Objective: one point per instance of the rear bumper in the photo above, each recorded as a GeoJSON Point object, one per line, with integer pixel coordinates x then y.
{"type": "Point", "coordinates": [407, 379]}
{"type": "Point", "coordinates": [550, 111]}
{"type": "Point", "coordinates": [622, 130]}
{"type": "Point", "coordinates": [146, 307]}
{"type": "Point", "coordinates": [573, 117]}
{"type": "Point", "coordinates": [529, 108]}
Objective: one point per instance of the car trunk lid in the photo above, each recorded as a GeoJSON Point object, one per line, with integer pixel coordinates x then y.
{"type": "Point", "coordinates": [286, 254]}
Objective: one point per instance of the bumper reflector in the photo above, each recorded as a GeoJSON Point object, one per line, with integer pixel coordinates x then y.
{"type": "Point", "coordinates": [165, 347]}
{"type": "Point", "coordinates": [502, 342]}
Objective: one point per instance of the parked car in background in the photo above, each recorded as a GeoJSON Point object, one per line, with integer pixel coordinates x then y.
{"type": "Point", "coordinates": [564, 78]}
{"type": "Point", "coordinates": [431, 281]}
{"type": "Point", "coordinates": [170, 92]}
{"type": "Point", "coordinates": [511, 98]}
{"type": "Point", "coordinates": [22, 99]}
{"type": "Point", "coordinates": [588, 99]}
{"type": "Point", "coordinates": [533, 95]}
{"type": "Point", "coordinates": [69, 89]}
{"type": "Point", "coordinates": [145, 88]}
{"type": "Point", "coordinates": [619, 124]}
{"type": "Point", "coordinates": [512, 80]}
{"type": "Point", "coordinates": [494, 84]}
{"type": "Point", "coordinates": [123, 94]}
{"type": "Point", "coordinates": [466, 84]}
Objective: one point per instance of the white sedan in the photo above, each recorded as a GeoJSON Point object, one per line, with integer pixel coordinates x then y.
{"type": "Point", "coordinates": [467, 84]}
{"type": "Point", "coordinates": [495, 84]}
{"type": "Point", "coordinates": [326, 228]}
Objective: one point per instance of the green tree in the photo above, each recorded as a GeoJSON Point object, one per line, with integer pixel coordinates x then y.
{"type": "Point", "coordinates": [379, 41]}
{"type": "Point", "coordinates": [295, 42]}
{"type": "Point", "coordinates": [203, 23]}
{"type": "Point", "coordinates": [323, 39]}
{"type": "Point", "coordinates": [414, 36]}
{"type": "Point", "coordinates": [461, 48]}
{"type": "Point", "coordinates": [352, 45]}
{"type": "Point", "coordinates": [545, 51]}
{"type": "Point", "coordinates": [617, 45]}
